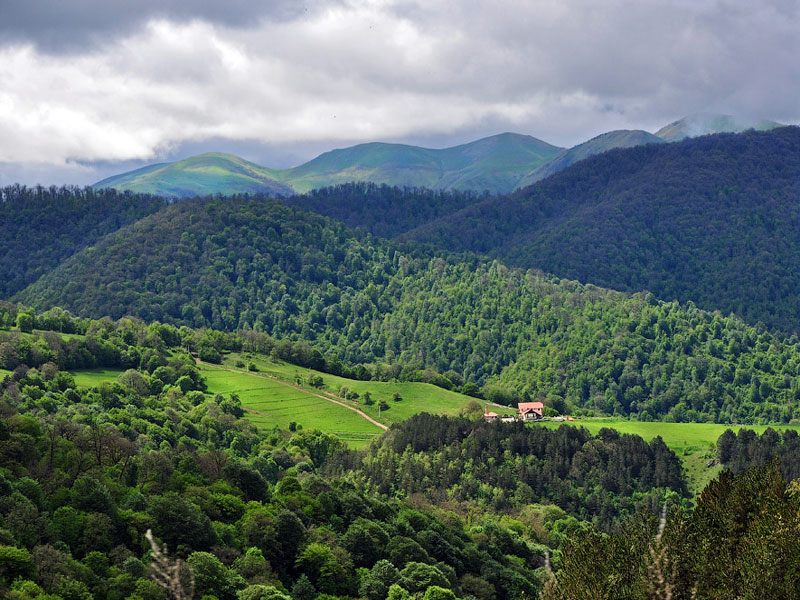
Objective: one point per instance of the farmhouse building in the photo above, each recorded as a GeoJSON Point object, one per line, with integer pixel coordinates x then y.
{"type": "Point", "coordinates": [489, 417]}
{"type": "Point", "coordinates": [530, 411]}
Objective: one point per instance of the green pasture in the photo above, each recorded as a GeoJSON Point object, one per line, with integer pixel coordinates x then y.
{"type": "Point", "coordinates": [4, 372]}
{"type": "Point", "coordinates": [272, 403]}
{"type": "Point", "coordinates": [694, 443]}
{"type": "Point", "coordinates": [93, 377]}
{"type": "Point", "coordinates": [416, 397]}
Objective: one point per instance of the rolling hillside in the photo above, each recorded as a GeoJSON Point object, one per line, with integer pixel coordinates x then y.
{"type": "Point", "coordinates": [202, 175]}
{"type": "Point", "coordinates": [496, 163]}
{"type": "Point", "coordinates": [714, 220]}
{"type": "Point", "coordinates": [234, 264]}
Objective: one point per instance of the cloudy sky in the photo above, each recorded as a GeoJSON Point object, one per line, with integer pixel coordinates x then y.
{"type": "Point", "coordinates": [90, 88]}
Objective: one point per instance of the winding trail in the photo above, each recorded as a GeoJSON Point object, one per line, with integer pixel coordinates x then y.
{"type": "Point", "coordinates": [296, 387]}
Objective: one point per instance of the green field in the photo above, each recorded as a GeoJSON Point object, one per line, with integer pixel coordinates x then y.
{"type": "Point", "coordinates": [93, 377]}
{"type": "Point", "coordinates": [416, 397]}
{"type": "Point", "coordinates": [3, 373]}
{"type": "Point", "coordinates": [694, 443]}
{"type": "Point", "coordinates": [270, 403]}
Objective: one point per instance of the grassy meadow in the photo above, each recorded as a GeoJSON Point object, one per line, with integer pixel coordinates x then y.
{"type": "Point", "coordinates": [93, 377]}
{"type": "Point", "coordinates": [415, 397]}
{"type": "Point", "coordinates": [270, 403]}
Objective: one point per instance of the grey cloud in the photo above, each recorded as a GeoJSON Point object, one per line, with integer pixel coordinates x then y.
{"type": "Point", "coordinates": [75, 25]}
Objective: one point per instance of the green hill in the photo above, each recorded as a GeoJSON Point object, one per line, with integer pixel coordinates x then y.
{"type": "Point", "coordinates": [202, 175]}
{"type": "Point", "coordinates": [234, 264]}
{"type": "Point", "coordinates": [495, 163]}
{"type": "Point", "coordinates": [706, 123]}
{"type": "Point", "coordinates": [601, 143]}
{"type": "Point", "coordinates": [714, 220]}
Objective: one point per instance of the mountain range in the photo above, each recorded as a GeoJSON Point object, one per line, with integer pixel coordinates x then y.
{"type": "Point", "coordinates": [498, 164]}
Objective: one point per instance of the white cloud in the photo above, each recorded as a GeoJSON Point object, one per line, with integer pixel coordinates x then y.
{"type": "Point", "coordinates": [362, 70]}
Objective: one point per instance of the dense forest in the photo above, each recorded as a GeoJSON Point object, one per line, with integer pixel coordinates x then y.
{"type": "Point", "coordinates": [508, 465]}
{"type": "Point", "coordinates": [382, 210]}
{"type": "Point", "coordinates": [744, 450]}
{"type": "Point", "coordinates": [238, 264]}
{"type": "Point", "coordinates": [715, 220]}
{"type": "Point", "coordinates": [438, 509]}
{"type": "Point", "coordinates": [40, 227]}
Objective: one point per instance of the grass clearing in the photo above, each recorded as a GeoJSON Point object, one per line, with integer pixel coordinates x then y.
{"type": "Point", "coordinates": [694, 443]}
{"type": "Point", "coordinates": [416, 397]}
{"type": "Point", "coordinates": [271, 403]}
{"type": "Point", "coordinates": [93, 377]}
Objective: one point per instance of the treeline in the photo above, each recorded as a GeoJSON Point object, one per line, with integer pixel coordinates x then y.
{"type": "Point", "coordinates": [746, 449]}
{"type": "Point", "coordinates": [714, 220]}
{"type": "Point", "coordinates": [384, 211]}
{"type": "Point", "coordinates": [40, 227]}
{"type": "Point", "coordinates": [502, 466]}
{"type": "Point", "coordinates": [85, 473]}
{"type": "Point", "coordinates": [239, 264]}
{"type": "Point", "coordinates": [740, 541]}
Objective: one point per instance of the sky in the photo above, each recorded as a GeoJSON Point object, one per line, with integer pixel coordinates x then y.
{"type": "Point", "coordinates": [89, 88]}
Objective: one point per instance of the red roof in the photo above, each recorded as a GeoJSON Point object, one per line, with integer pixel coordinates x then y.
{"type": "Point", "coordinates": [526, 406]}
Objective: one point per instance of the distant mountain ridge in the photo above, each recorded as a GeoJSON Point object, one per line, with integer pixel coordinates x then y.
{"type": "Point", "coordinates": [498, 164]}
{"type": "Point", "coordinates": [708, 123]}
{"type": "Point", "coordinates": [621, 138]}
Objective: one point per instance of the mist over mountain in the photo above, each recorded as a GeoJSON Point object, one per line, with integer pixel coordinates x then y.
{"type": "Point", "coordinates": [707, 123]}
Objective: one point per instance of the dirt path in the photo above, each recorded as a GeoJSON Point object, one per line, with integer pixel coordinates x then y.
{"type": "Point", "coordinates": [296, 387]}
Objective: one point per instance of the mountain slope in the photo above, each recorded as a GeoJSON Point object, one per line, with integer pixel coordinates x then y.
{"type": "Point", "coordinates": [258, 265]}
{"type": "Point", "coordinates": [202, 175]}
{"type": "Point", "coordinates": [602, 143]}
{"type": "Point", "coordinates": [706, 123]}
{"type": "Point", "coordinates": [495, 163]}
{"type": "Point", "coordinates": [715, 220]}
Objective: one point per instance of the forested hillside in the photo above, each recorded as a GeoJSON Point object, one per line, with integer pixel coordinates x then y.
{"type": "Point", "coordinates": [382, 210]}
{"type": "Point", "coordinates": [40, 227]}
{"type": "Point", "coordinates": [715, 220]}
{"type": "Point", "coordinates": [242, 264]}
{"type": "Point", "coordinates": [509, 466]}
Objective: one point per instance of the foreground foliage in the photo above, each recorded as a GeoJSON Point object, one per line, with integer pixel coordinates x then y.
{"type": "Point", "coordinates": [741, 541]}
